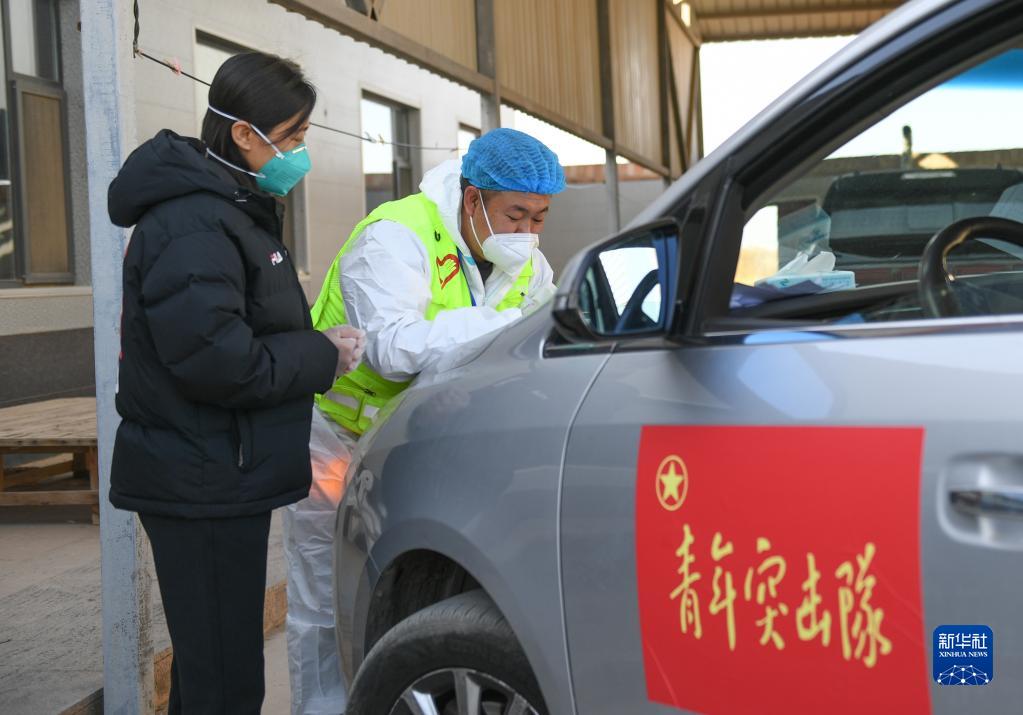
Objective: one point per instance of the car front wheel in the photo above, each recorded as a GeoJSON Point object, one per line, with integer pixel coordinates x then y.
{"type": "Point", "coordinates": [456, 657]}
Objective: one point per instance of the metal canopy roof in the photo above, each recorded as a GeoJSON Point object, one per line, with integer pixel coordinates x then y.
{"type": "Point", "coordinates": [621, 74]}
{"type": "Point", "coordinates": [721, 20]}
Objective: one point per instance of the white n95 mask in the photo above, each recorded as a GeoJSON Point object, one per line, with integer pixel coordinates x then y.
{"type": "Point", "coordinates": [509, 252]}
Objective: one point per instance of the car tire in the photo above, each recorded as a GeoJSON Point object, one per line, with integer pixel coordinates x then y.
{"type": "Point", "coordinates": [462, 637]}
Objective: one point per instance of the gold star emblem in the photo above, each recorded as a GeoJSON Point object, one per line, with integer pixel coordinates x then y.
{"type": "Point", "coordinates": [672, 482]}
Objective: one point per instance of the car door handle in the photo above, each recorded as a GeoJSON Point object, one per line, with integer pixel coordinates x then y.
{"type": "Point", "coordinates": [992, 502]}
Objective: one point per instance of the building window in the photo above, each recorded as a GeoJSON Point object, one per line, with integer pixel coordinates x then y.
{"type": "Point", "coordinates": [390, 171]}
{"type": "Point", "coordinates": [35, 235]}
{"type": "Point", "coordinates": [8, 257]}
{"type": "Point", "coordinates": [210, 53]}
{"type": "Point", "coordinates": [34, 43]}
{"type": "Point", "coordinates": [466, 135]}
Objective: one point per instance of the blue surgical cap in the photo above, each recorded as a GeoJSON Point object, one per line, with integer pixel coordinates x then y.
{"type": "Point", "coordinates": [509, 160]}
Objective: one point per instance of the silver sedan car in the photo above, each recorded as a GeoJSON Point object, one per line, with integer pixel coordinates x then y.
{"type": "Point", "coordinates": [763, 453]}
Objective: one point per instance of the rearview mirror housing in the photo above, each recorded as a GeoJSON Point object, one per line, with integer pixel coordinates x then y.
{"type": "Point", "coordinates": [624, 287]}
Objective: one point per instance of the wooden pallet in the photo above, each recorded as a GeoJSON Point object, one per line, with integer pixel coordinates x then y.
{"type": "Point", "coordinates": [65, 432]}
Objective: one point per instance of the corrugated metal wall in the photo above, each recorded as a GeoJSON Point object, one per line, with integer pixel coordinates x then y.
{"type": "Point", "coordinates": [761, 19]}
{"type": "Point", "coordinates": [634, 76]}
{"type": "Point", "coordinates": [445, 26]}
{"type": "Point", "coordinates": [682, 56]}
{"type": "Point", "coordinates": [547, 52]}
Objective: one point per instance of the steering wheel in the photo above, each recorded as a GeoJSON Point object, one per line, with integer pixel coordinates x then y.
{"type": "Point", "coordinates": [632, 316]}
{"type": "Point", "coordinates": [935, 287]}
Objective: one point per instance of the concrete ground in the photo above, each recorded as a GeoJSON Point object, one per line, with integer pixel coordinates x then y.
{"type": "Point", "coordinates": [50, 632]}
{"type": "Point", "coordinates": [278, 690]}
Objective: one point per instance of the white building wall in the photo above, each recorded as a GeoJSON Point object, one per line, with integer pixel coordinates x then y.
{"type": "Point", "coordinates": [333, 198]}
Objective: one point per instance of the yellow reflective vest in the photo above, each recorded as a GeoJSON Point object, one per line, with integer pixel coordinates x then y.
{"type": "Point", "coordinates": [355, 398]}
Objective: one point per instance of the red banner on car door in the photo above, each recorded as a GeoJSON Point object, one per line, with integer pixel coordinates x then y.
{"type": "Point", "coordinates": [779, 569]}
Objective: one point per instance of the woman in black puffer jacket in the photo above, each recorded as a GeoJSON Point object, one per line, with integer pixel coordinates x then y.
{"type": "Point", "coordinates": [219, 365]}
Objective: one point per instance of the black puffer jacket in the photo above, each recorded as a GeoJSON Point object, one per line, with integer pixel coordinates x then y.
{"type": "Point", "coordinates": [219, 361]}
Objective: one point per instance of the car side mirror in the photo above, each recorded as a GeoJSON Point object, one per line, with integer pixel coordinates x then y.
{"type": "Point", "coordinates": [625, 287]}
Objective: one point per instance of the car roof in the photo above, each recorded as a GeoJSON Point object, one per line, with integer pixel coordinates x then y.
{"type": "Point", "coordinates": [877, 35]}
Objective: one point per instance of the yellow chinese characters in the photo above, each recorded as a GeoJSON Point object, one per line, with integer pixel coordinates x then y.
{"type": "Point", "coordinates": [724, 599]}
{"type": "Point", "coordinates": [810, 624]}
{"type": "Point", "coordinates": [769, 574]}
{"type": "Point", "coordinates": [859, 621]}
{"type": "Point", "coordinates": [689, 600]}
{"type": "Point", "coordinates": [862, 638]}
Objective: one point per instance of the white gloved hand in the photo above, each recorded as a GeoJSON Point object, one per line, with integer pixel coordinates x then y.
{"type": "Point", "coordinates": [350, 343]}
{"type": "Point", "coordinates": [542, 297]}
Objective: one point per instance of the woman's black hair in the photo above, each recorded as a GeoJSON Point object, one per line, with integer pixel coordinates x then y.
{"type": "Point", "coordinates": [258, 88]}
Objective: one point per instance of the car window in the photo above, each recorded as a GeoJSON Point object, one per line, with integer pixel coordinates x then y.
{"type": "Point", "coordinates": [861, 217]}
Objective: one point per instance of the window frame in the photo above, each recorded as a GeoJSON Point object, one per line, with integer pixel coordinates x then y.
{"type": "Point", "coordinates": [468, 129]}
{"type": "Point", "coordinates": [405, 126]}
{"type": "Point", "coordinates": [16, 85]}
{"type": "Point", "coordinates": [296, 216]}
{"type": "Point", "coordinates": [862, 94]}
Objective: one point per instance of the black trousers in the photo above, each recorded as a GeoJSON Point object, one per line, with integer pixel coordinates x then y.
{"type": "Point", "coordinates": [212, 575]}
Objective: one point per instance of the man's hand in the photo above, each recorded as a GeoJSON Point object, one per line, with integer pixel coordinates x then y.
{"type": "Point", "coordinates": [350, 343]}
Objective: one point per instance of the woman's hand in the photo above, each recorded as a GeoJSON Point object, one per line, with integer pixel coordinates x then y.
{"type": "Point", "coordinates": [350, 343]}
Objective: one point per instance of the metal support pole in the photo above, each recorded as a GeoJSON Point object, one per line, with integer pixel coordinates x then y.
{"type": "Point", "coordinates": [607, 114]}
{"type": "Point", "coordinates": [699, 107]}
{"type": "Point", "coordinates": [693, 150]}
{"type": "Point", "coordinates": [490, 112]}
{"type": "Point", "coordinates": [663, 96]}
{"type": "Point", "coordinates": [486, 64]}
{"type": "Point", "coordinates": [614, 204]}
{"type": "Point", "coordinates": [110, 132]}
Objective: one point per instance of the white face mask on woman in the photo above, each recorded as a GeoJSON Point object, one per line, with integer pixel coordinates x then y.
{"type": "Point", "coordinates": [509, 252]}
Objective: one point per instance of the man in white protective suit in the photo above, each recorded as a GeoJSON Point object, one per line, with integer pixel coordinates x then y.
{"type": "Point", "coordinates": [425, 277]}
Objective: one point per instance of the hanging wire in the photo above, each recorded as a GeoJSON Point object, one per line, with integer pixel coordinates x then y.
{"type": "Point", "coordinates": [135, 38]}
{"type": "Point", "coordinates": [175, 67]}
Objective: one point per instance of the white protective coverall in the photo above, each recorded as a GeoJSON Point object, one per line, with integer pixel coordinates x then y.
{"type": "Point", "coordinates": [386, 279]}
